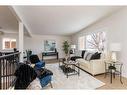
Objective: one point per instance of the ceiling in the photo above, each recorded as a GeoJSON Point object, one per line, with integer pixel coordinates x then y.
{"type": "Point", "coordinates": [8, 22]}
{"type": "Point", "coordinates": [61, 20]}
{"type": "Point", "coordinates": [52, 20]}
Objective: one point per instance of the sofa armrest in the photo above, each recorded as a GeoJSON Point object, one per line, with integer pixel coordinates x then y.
{"type": "Point", "coordinates": [97, 66]}
{"type": "Point", "coordinates": [96, 61]}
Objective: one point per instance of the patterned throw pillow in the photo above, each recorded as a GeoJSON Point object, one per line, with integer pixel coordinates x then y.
{"type": "Point", "coordinates": [85, 55]}
{"type": "Point", "coordinates": [88, 57]}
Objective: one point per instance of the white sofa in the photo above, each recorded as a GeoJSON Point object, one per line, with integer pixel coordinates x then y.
{"type": "Point", "coordinates": [93, 67]}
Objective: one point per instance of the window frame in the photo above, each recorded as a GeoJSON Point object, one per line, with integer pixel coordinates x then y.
{"type": "Point", "coordinates": [10, 40]}
{"type": "Point", "coordinates": [85, 41]}
{"type": "Point", "coordinates": [79, 43]}
{"type": "Point", "coordinates": [104, 44]}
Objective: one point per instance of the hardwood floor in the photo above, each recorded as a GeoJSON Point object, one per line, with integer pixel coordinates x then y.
{"type": "Point", "coordinates": [51, 61]}
{"type": "Point", "coordinates": [116, 84]}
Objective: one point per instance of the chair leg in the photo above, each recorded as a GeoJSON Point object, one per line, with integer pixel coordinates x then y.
{"type": "Point", "coordinates": [51, 84]}
{"type": "Point", "coordinates": [105, 74]}
{"type": "Point", "coordinates": [114, 75]}
{"type": "Point", "coordinates": [111, 77]}
{"type": "Point", "coordinates": [121, 79]}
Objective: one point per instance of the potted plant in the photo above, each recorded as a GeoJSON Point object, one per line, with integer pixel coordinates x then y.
{"type": "Point", "coordinates": [66, 48]}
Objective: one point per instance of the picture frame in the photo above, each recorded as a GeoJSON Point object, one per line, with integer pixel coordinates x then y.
{"type": "Point", "coordinates": [49, 45]}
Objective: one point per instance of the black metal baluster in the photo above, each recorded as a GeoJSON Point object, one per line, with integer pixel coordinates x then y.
{"type": "Point", "coordinates": [0, 75]}
{"type": "Point", "coordinates": [6, 73]}
{"type": "Point", "coordinates": [10, 80]}
{"type": "Point", "coordinates": [3, 74]}
{"type": "Point", "coordinates": [9, 75]}
{"type": "Point", "coordinates": [13, 71]}
{"type": "Point", "coordinates": [8, 64]}
{"type": "Point", "coordinates": [10, 72]}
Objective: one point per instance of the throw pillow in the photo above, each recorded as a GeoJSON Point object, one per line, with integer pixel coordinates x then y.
{"type": "Point", "coordinates": [96, 56]}
{"type": "Point", "coordinates": [93, 56]}
{"type": "Point", "coordinates": [85, 54]}
{"type": "Point", "coordinates": [88, 57]}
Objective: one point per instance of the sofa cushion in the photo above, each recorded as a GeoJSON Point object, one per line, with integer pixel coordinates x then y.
{"type": "Point", "coordinates": [84, 63]}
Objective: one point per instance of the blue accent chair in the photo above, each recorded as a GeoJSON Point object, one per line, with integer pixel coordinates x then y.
{"type": "Point", "coordinates": [43, 74]}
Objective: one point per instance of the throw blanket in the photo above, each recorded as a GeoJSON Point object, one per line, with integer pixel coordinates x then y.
{"type": "Point", "coordinates": [35, 85]}
{"type": "Point", "coordinates": [25, 74]}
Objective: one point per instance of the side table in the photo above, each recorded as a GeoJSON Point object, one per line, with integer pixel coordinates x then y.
{"type": "Point", "coordinates": [113, 68]}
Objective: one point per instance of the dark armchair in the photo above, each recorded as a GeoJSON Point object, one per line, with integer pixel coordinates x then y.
{"type": "Point", "coordinates": [34, 59]}
{"type": "Point", "coordinates": [43, 74]}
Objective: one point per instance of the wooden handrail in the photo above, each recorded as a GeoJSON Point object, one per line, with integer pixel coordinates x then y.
{"type": "Point", "coordinates": [4, 56]}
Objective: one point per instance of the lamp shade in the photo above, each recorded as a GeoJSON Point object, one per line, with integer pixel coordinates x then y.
{"type": "Point", "coordinates": [115, 47]}
{"type": "Point", "coordinates": [73, 46]}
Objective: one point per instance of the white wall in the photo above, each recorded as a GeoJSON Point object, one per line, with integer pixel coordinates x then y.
{"type": "Point", "coordinates": [36, 43]}
{"type": "Point", "coordinates": [116, 27]}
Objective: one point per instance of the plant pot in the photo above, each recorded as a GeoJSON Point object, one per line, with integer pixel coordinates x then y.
{"type": "Point", "coordinates": [66, 58]}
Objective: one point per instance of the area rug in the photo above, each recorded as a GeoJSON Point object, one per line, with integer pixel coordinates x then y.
{"type": "Point", "coordinates": [60, 80]}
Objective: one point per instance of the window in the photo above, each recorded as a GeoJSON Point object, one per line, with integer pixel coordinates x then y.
{"type": "Point", "coordinates": [81, 42]}
{"type": "Point", "coordinates": [94, 41]}
{"type": "Point", "coordinates": [9, 43]}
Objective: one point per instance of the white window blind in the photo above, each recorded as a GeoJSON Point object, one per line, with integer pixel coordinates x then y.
{"type": "Point", "coordinates": [81, 43]}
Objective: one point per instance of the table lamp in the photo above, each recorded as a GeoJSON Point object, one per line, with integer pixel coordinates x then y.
{"type": "Point", "coordinates": [73, 47]}
{"type": "Point", "coordinates": [114, 48]}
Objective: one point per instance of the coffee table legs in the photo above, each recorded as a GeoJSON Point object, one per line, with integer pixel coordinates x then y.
{"type": "Point", "coordinates": [75, 71]}
{"type": "Point", "coordinates": [70, 68]}
{"type": "Point", "coordinates": [67, 71]}
{"type": "Point", "coordinates": [78, 69]}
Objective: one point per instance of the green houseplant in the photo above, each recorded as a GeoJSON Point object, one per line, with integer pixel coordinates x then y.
{"type": "Point", "coordinates": [66, 48]}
